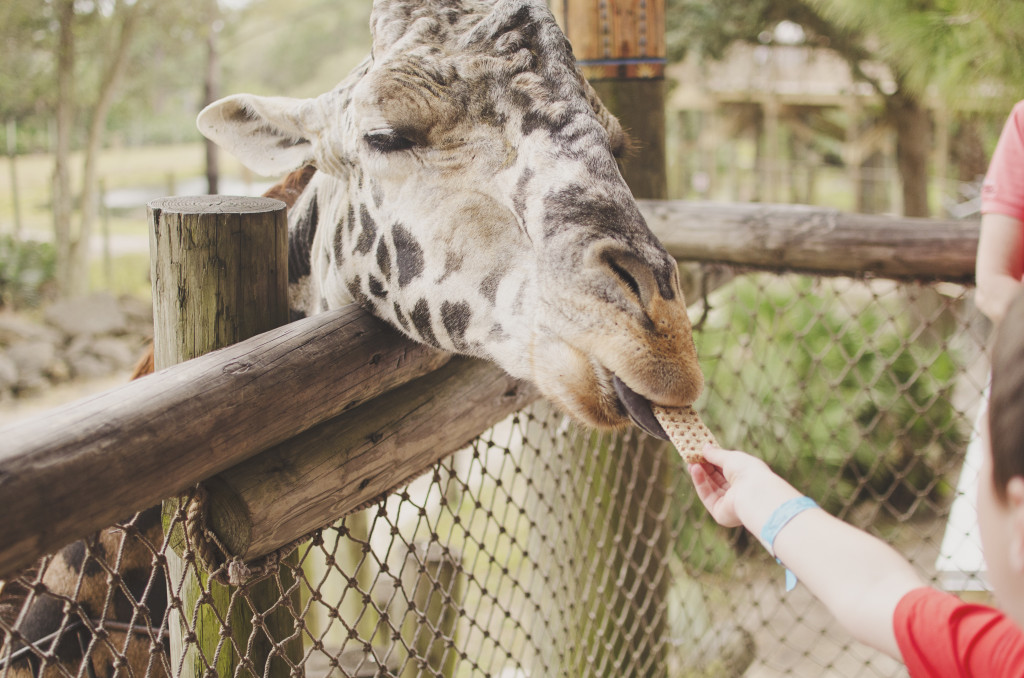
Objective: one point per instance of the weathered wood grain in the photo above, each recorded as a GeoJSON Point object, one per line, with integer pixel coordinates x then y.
{"type": "Point", "coordinates": [83, 466]}
{"type": "Point", "coordinates": [330, 470]}
{"type": "Point", "coordinates": [814, 239]}
{"type": "Point", "coordinates": [220, 275]}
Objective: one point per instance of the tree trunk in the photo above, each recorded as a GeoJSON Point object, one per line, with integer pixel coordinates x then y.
{"type": "Point", "coordinates": [12, 155]}
{"type": "Point", "coordinates": [65, 55]}
{"type": "Point", "coordinates": [211, 91]}
{"type": "Point", "coordinates": [913, 145]}
{"type": "Point", "coordinates": [114, 73]}
{"type": "Point", "coordinates": [969, 149]}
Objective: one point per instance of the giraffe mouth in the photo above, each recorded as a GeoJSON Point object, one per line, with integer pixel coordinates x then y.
{"type": "Point", "coordinates": [638, 408]}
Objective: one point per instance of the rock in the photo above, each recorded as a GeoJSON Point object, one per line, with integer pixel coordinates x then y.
{"type": "Point", "coordinates": [93, 315]}
{"type": "Point", "coordinates": [15, 328]}
{"type": "Point", "coordinates": [88, 366]}
{"type": "Point", "coordinates": [139, 315]}
{"type": "Point", "coordinates": [8, 373]}
{"type": "Point", "coordinates": [34, 362]}
{"type": "Point", "coordinates": [98, 357]}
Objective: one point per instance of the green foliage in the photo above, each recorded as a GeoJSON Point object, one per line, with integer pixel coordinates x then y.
{"type": "Point", "coordinates": [843, 398]}
{"type": "Point", "coordinates": [958, 46]}
{"type": "Point", "coordinates": [955, 45]}
{"type": "Point", "coordinates": [27, 270]}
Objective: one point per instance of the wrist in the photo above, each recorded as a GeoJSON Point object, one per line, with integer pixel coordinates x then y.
{"type": "Point", "coordinates": [761, 501]}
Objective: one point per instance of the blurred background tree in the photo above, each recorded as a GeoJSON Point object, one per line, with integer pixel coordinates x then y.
{"type": "Point", "coordinates": [83, 80]}
{"type": "Point", "coordinates": [952, 50]}
{"type": "Point", "coordinates": [79, 77]}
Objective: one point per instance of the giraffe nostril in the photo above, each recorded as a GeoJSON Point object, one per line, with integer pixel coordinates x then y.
{"type": "Point", "coordinates": [627, 279]}
{"type": "Point", "coordinates": [631, 273]}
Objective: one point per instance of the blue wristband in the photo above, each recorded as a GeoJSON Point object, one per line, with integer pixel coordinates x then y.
{"type": "Point", "coordinates": [779, 518]}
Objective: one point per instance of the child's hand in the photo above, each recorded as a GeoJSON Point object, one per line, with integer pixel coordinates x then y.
{"type": "Point", "coordinates": [724, 478]}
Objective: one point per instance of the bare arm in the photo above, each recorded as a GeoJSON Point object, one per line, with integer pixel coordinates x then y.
{"type": "Point", "coordinates": [999, 265]}
{"type": "Point", "coordinates": [858, 577]}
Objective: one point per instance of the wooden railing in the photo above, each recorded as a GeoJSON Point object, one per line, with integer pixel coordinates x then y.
{"type": "Point", "coordinates": [299, 425]}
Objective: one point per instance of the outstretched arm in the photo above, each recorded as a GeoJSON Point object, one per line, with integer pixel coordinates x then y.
{"type": "Point", "coordinates": [857, 576]}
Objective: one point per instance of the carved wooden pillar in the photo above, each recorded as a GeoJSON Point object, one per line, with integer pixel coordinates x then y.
{"type": "Point", "coordinates": [620, 44]}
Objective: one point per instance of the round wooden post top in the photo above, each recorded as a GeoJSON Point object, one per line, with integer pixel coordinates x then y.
{"type": "Point", "coordinates": [216, 204]}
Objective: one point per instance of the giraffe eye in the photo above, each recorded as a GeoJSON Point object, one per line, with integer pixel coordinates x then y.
{"type": "Point", "coordinates": [387, 140]}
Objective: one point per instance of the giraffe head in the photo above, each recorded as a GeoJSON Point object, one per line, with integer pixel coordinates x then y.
{"type": "Point", "coordinates": [467, 192]}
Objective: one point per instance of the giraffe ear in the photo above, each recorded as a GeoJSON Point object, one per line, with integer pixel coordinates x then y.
{"type": "Point", "coordinates": [269, 135]}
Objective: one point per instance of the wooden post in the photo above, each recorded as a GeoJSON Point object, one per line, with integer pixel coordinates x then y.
{"type": "Point", "coordinates": [620, 45]}
{"type": "Point", "coordinates": [220, 275]}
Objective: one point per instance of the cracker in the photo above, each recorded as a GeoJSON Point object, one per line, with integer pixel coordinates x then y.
{"type": "Point", "coordinates": [687, 432]}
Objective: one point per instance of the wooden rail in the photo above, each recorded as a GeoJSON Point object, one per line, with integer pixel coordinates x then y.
{"type": "Point", "coordinates": [83, 466]}
{"type": "Point", "coordinates": [86, 465]}
{"type": "Point", "coordinates": [815, 239]}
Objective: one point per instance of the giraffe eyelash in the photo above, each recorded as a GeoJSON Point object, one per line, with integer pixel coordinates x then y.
{"type": "Point", "coordinates": [387, 140]}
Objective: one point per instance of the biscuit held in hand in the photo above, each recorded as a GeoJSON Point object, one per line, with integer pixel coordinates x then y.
{"type": "Point", "coordinates": [686, 431]}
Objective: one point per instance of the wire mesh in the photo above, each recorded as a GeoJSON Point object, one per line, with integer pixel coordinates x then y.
{"type": "Point", "coordinates": [544, 549]}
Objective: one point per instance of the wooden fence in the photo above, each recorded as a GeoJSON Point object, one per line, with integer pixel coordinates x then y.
{"type": "Point", "coordinates": [291, 428]}
{"type": "Point", "coordinates": [344, 381]}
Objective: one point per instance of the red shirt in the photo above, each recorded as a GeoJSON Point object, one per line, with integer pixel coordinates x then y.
{"type": "Point", "coordinates": [940, 635]}
{"type": "Point", "coordinates": [1003, 189]}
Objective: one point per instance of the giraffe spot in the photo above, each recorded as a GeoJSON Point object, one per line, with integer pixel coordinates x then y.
{"type": "Point", "coordinates": [368, 234]}
{"type": "Point", "coordinates": [420, 317]}
{"type": "Point", "coordinates": [79, 560]}
{"type": "Point", "coordinates": [489, 285]}
{"type": "Point", "coordinates": [73, 555]}
{"type": "Point", "coordinates": [355, 289]}
{"type": "Point", "coordinates": [452, 264]}
{"type": "Point", "coordinates": [400, 316]}
{"type": "Point", "coordinates": [300, 241]}
{"type": "Point", "coordinates": [136, 580]}
{"type": "Point", "coordinates": [455, 317]}
{"type": "Point", "coordinates": [519, 198]}
{"type": "Point", "coordinates": [517, 305]}
{"type": "Point", "coordinates": [408, 254]}
{"type": "Point", "coordinates": [377, 287]}
{"type": "Point", "coordinates": [350, 219]}
{"type": "Point", "coordinates": [573, 205]}
{"type": "Point", "coordinates": [498, 333]}
{"type": "Point", "coordinates": [383, 259]}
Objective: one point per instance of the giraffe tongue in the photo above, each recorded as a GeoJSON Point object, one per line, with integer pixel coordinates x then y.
{"type": "Point", "coordinates": [639, 409]}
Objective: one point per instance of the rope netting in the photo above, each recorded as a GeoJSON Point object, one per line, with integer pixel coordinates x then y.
{"type": "Point", "coordinates": [544, 549]}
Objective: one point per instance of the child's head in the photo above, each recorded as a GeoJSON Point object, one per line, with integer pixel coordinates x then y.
{"type": "Point", "coordinates": [1006, 408]}
{"type": "Point", "coordinates": [1001, 482]}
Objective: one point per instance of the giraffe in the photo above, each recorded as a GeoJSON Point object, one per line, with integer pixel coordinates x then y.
{"type": "Point", "coordinates": [462, 185]}
{"type": "Point", "coordinates": [467, 193]}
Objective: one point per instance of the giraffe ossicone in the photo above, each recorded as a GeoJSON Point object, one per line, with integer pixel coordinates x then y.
{"type": "Point", "coordinates": [467, 192]}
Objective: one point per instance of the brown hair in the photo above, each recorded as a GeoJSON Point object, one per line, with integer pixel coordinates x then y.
{"type": "Point", "coordinates": [1006, 406]}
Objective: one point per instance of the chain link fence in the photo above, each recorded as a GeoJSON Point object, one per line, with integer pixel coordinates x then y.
{"type": "Point", "coordinates": [544, 549]}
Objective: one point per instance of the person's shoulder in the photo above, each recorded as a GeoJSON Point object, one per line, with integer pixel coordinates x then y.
{"type": "Point", "coordinates": [1017, 113]}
